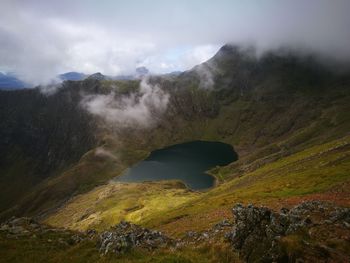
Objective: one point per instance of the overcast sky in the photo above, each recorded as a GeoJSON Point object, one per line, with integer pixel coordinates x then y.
{"type": "Point", "coordinates": [41, 38]}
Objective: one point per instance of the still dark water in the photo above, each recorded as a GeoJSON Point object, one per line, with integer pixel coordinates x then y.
{"type": "Point", "coordinates": [186, 162]}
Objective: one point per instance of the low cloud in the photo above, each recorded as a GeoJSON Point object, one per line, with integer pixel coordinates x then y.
{"type": "Point", "coordinates": [102, 152]}
{"type": "Point", "coordinates": [138, 110]}
{"type": "Point", "coordinates": [40, 39]}
{"type": "Point", "coordinates": [205, 74]}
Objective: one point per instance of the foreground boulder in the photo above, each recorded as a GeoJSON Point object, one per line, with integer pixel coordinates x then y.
{"type": "Point", "coordinates": [125, 236]}
{"type": "Point", "coordinates": [258, 232]}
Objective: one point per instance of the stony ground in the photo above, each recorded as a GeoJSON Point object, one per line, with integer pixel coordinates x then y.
{"type": "Point", "coordinates": [312, 231]}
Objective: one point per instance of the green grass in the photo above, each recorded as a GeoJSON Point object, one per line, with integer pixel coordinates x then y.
{"type": "Point", "coordinates": [172, 208]}
{"type": "Point", "coordinates": [314, 170]}
{"type": "Point", "coordinates": [259, 131]}
{"type": "Point", "coordinates": [49, 248]}
{"type": "Point", "coordinates": [108, 205]}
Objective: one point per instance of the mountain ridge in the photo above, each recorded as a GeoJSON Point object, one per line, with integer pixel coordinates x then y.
{"type": "Point", "coordinates": [235, 83]}
{"type": "Point", "coordinates": [285, 115]}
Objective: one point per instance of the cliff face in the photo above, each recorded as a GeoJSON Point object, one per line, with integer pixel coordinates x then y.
{"type": "Point", "coordinates": [41, 135]}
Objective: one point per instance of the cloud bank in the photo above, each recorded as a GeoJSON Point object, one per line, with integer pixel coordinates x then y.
{"type": "Point", "coordinates": [137, 110]}
{"type": "Point", "coordinates": [40, 39]}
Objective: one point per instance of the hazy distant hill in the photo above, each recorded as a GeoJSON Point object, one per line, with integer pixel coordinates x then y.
{"type": "Point", "coordinates": [72, 76]}
{"type": "Point", "coordinates": [10, 81]}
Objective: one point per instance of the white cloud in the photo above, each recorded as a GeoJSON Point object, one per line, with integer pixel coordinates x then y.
{"type": "Point", "coordinates": [137, 110]}
{"type": "Point", "coordinates": [40, 39]}
{"type": "Point", "coordinates": [102, 152]}
{"type": "Point", "coordinates": [59, 46]}
{"type": "Point", "coordinates": [206, 76]}
{"type": "Point", "coordinates": [174, 60]}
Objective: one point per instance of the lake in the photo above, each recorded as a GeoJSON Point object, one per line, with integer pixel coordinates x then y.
{"type": "Point", "coordinates": [187, 162]}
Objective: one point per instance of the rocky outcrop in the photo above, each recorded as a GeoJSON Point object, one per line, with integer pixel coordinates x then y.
{"type": "Point", "coordinates": [26, 227]}
{"type": "Point", "coordinates": [125, 236]}
{"type": "Point", "coordinates": [259, 234]}
{"type": "Point", "coordinates": [21, 226]}
{"type": "Point", "coordinates": [257, 231]}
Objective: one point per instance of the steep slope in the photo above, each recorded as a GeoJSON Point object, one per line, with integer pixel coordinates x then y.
{"type": "Point", "coordinates": [317, 173]}
{"type": "Point", "coordinates": [286, 115]}
{"type": "Point", "coordinates": [267, 108]}
{"type": "Point", "coordinates": [41, 135]}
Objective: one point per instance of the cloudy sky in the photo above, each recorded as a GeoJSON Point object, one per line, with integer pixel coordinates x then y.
{"type": "Point", "coordinates": [42, 38]}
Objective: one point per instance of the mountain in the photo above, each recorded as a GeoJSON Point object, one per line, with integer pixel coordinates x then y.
{"type": "Point", "coordinates": [76, 76]}
{"type": "Point", "coordinates": [10, 82]}
{"type": "Point", "coordinates": [97, 76]}
{"type": "Point", "coordinates": [285, 114]}
{"type": "Point", "coordinates": [141, 71]}
{"type": "Point", "coordinates": [72, 76]}
{"type": "Point", "coordinates": [138, 74]}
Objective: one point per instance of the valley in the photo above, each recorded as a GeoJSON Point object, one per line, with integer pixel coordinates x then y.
{"type": "Point", "coordinates": [285, 115]}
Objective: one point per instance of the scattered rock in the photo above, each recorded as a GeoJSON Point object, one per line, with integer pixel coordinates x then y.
{"type": "Point", "coordinates": [25, 226]}
{"type": "Point", "coordinates": [341, 214]}
{"type": "Point", "coordinates": [125, 236]}
{"type": "Point", "coordinates": [91, 233]}
{"type": "Point", "coordinates": [223, 224]}
{"type": "Point", "coordinates": [77, 238]}
{"type": "Point", "coordinates": [258, 233]}
{"type": "Point", "coordinates": [191, 234]}
{"type": "Point", "coordinates": [20, 226]}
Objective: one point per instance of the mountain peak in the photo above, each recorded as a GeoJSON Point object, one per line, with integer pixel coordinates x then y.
{"type": "Point", "coordinates": [9, 81]}
{"type": "Point", "coordinates": [141, 71]}
{"type": "Point", "coordinates": [97, 76]}
{"type": "Point", "coordinates": [72, 76]}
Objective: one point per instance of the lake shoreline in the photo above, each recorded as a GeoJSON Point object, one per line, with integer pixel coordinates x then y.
{"type": "Point", "coordinates": [188, 162]}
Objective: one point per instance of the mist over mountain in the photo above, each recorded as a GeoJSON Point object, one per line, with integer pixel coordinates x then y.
{"type": "Point", "coordinates": [72, 76]}
{"type": "Point", "coordinates": [164, 37]}
{"type": "Point", "coordinates": [58, 147]}
{"type": "Point", "coordinates": [183, 131]}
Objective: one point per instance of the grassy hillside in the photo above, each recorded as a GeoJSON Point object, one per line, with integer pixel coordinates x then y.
{"type": "Point", "coordinates": [308, 174]}
{"type": "Point", "coordinates": [266, 108]}
{"type": "Point", "coordinates": [25, 249]}
{"type": "Point", "coordinates": [287, 116]}
{"type": "Point", "coordinates": [108, 205]}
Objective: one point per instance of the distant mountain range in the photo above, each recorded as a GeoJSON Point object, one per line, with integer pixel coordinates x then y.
{"type": "Point", "coordinates": [72, 76]}
{"type": "Point", "coordinates": [9, 81]}
{"type": "Point", "coordinates": [76, 76]}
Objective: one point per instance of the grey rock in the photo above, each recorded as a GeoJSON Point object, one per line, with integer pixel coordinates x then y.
{"type": "Point", "coordinates": [224, 223]}
{"type": "Point", "coordinates": [17, 230]}
{"type": "Point", "coordinates": [258, 229]}
{"type": "Point", "coordinates": [125, 236]}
